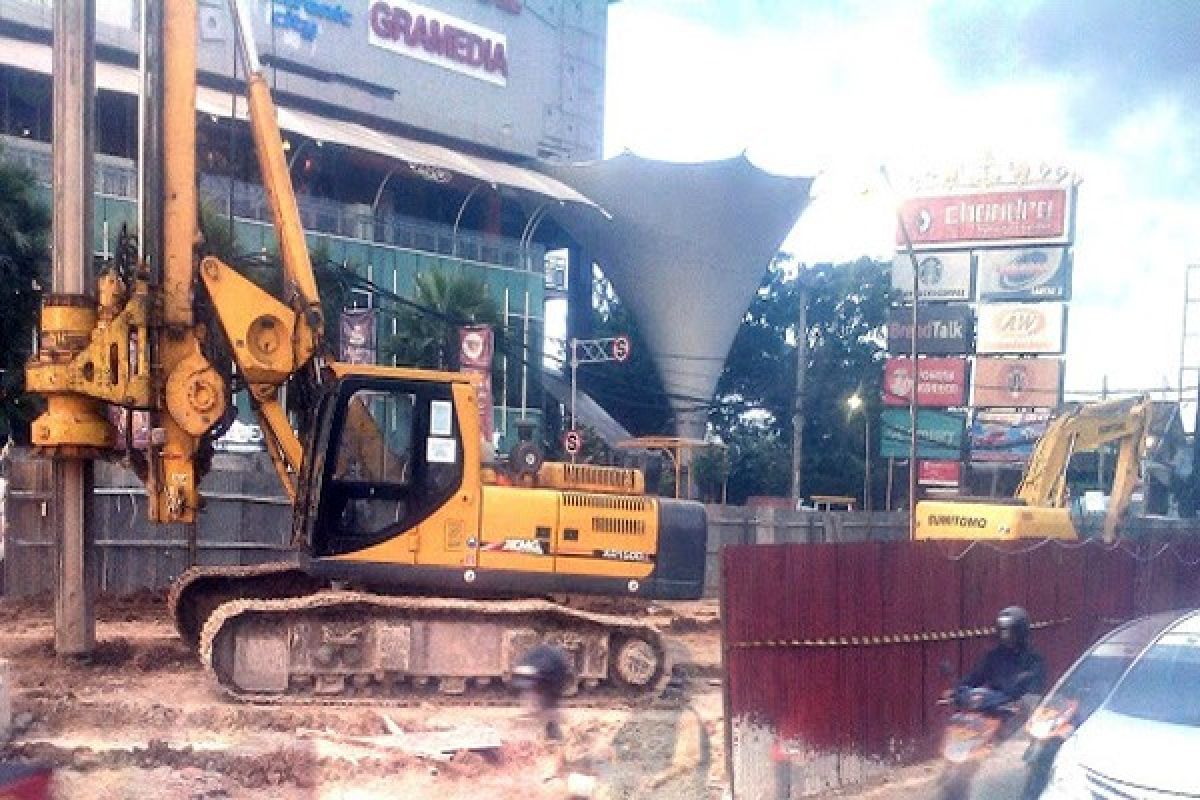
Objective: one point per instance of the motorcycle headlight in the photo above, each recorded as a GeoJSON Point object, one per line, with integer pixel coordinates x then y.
{"type": "Point", "coordinates": [1068, 781]}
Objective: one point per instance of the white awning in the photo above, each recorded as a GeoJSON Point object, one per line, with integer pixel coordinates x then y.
{"type": "Point", "coordinates": [39, 58]}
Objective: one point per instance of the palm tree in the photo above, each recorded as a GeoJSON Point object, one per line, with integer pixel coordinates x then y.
{"type": "Point", "coordinates": [428, 330]}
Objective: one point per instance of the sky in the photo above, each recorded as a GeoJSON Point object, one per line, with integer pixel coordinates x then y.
{"type": "Point", "coordinates": [1107, 89]}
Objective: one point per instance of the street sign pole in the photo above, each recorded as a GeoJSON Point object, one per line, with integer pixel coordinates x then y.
{"type": "Point", "coordinates": [594, 351]}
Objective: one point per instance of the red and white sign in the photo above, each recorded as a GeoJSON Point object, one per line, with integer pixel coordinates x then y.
{"type": "Point", "coordinates": [620, 348]}
{"type": "Point", "coordinates": [939, 473]}
{"type": "Point", "coordinates": [942, 384]}
{"type": "Point", "coordinates": [987, 217]}
{"type": "Point", "coordinates": [1017, 382]}
{"type": "Point", "coordinates": [438, 38]}
{"type": "Point", "coordinates": [572, 442]}
{"type": "Point", "coordinates": [475, 346]}
{"type": "Point", "coordinates": [1020, 328]}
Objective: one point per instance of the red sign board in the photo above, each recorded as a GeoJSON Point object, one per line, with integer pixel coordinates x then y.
{"type": "Point", "coordinates": [476, 343]}
{"type": "Point", "coordinates": [942, 383]}
{"type": "Point", "coordinates": [939, 473]}
{"type": "Point", "coordinates": [1011, 214]}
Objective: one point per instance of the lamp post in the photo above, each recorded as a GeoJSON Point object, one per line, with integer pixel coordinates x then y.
{"type": "Point", "coordinates": [855, 403]}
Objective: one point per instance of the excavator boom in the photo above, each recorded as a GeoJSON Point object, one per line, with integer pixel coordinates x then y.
{"type": "Point", "coordinates": [1039, 509]}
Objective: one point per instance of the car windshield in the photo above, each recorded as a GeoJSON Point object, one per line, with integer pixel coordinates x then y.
{"type": "Point", "coordinates": [1164, 684]}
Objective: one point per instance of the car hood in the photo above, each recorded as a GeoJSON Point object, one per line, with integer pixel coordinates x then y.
{"type": "Point", "coordinates": [1147, 754]}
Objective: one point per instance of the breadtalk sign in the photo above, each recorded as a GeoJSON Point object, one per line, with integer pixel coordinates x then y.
{"type": "Point", "coordinates": [1017, 215]}
{"type": "Point", "coordinates": [438, 38]}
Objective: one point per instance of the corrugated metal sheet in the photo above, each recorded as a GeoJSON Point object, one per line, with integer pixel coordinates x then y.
{"type": "Point", "coordinates": [246, 520]}
{"type": "Point", "coordinates": [823, 690]}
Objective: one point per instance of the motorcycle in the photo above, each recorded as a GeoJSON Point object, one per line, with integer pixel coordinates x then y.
{"type": "Point", "coordinates": [1048, 727]}
{"type": "Point", "coordinates": [983, 718]}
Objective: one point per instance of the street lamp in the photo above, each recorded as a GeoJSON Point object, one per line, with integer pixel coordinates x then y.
{"type": "Point", "coordinates": [855, 403]}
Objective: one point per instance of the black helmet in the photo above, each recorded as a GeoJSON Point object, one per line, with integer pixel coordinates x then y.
{"type": "Point", "coordinates": [1012, 627]}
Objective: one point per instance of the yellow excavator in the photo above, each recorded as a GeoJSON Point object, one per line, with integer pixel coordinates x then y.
{"type": "Point", "coordinates": [1040, 508]}
{"type": "Point", "coordinates": [416, 563]}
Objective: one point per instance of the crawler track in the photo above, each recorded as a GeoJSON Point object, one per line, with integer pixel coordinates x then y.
{"type": "Point", "coordinates": [334, 647]}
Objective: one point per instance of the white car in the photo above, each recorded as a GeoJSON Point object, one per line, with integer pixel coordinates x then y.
{"type": "Point", "coordinates": [1144, 741]}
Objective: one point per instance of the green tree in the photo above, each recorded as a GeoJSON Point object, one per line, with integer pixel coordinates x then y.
{"type": "Point", "coordinates": [24, 262]}
{"type": "Point", "coordinates": [847, 308]}
{"type": "Point", "coordinates": [427, 334]}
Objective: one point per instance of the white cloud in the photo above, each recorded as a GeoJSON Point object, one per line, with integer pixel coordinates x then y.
{"type": "Point", "coordinates": [838, 94]}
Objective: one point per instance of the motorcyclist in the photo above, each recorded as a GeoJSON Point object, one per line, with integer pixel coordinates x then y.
{"type": "Point", "coordinates": [1009, 671]}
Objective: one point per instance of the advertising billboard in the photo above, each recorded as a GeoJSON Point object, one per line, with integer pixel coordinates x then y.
{"type": "Point", "coordinates": [939, 473]}
{"type": "Point", "coordinates": [1005, 437]}
{"type": "Point", "coordinates": [1017, 382]}
{"type": "Point", "coordinates": [942, 382]}
{"type": "Point", "coordinates": [476, 346]}
{"type": "Point", "coordinates": [941, 329]}
{"type": "Point", "coordinates": [1021, 328]}
{"type": "Point", "coordinates": [939, 433]}
{"type": "Point", "coordinates": [504, 74]}
{"type": "Point", "coordinates": [358, 344]}
{"type": "Point", "coordinates": [1000, 215]}
{"type": "Point", "coordinates": [940, 276]}
{"type": "Point", "coordinates": [1024, 273]}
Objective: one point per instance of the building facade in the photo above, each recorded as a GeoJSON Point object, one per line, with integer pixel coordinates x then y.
{"type": "Point", "coordinates": [410, 129]}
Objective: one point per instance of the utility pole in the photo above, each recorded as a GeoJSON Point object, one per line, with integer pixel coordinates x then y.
{"type": "Point", "coordinates": [916, 372]}
{"type": "Point", "coordinates": [802, 288]}
{"type": "Point", "coordinates": [71, 280]}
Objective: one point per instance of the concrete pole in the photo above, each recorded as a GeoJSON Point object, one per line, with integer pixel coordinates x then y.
{"type": "Point", "coordinates": [801, 374]}
{"type": "Point", "coordinates": [74, 122]}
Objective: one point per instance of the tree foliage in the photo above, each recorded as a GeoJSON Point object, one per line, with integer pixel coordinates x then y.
{"type": "Point", "coordinates": [847, 308]}
{"type": "Point", "coordinates": [24, 264]}
{"type": "Point", "coordinates": [428, 336]}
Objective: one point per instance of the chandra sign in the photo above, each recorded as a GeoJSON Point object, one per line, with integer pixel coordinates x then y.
{"type": "Point", "coordinates": [987, 217]}
{"type": "Point", "coordinates": [437, 38]}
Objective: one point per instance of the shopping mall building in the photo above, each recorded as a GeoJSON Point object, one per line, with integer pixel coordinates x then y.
{"type": "Point", "coordinates": [449, 135]}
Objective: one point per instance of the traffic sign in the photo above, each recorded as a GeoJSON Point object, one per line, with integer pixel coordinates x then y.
{"type": "Point", "coordinates": [620, 348]}
{"type": "Point", "coordinates": [572, 442]}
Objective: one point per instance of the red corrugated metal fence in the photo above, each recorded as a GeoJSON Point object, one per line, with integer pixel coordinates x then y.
{"type": "Point", "coordinates": [836, 654]}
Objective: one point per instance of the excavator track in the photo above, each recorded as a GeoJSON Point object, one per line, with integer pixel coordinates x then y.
{"type": "Point", "coordinates": [337, 647]}
{"type": "Point", "coordinates": [200, 590]}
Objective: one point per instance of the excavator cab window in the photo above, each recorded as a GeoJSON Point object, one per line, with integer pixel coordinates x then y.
{"type": "Point", "coordinates": [393, 455]}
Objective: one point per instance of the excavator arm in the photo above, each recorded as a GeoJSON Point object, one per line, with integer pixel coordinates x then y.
{"type": "Point", "coordinates": [1040, 506]}
{"type": "Point", "coordinates": [1089, 427]}
{"type": "Point", "coordinates": [144, 347]}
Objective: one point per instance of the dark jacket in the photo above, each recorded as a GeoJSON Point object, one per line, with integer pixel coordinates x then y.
{"type": "Point", "coordinates": [1013, 673]}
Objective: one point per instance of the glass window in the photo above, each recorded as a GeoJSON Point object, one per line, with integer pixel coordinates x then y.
{"type": "Point", "coordinates": [377, 439]}
{"type": "Point", "coordinates": [1164, 684]}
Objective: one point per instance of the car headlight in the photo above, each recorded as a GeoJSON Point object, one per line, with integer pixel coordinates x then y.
{"type": "Point", "coordinates": [1068, 780]}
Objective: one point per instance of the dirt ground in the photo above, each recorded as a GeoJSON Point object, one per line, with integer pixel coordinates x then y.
{"type": "Point", "coordinates": [142, 721]}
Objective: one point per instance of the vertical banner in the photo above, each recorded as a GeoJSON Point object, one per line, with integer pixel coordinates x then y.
{"type": "Point", "coordinates": [476, 344]}
{"type": "Point", "coordinates": [357, 329]}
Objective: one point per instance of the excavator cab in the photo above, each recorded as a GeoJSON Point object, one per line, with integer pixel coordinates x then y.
{"type": "Point", "coordinates": [387, 452]}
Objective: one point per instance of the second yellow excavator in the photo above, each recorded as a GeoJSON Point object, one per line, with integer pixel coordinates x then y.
{"type": "Point", "coordinates": [416, 563]}
{"type": "Point", "coordinates": [1040, 508]}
